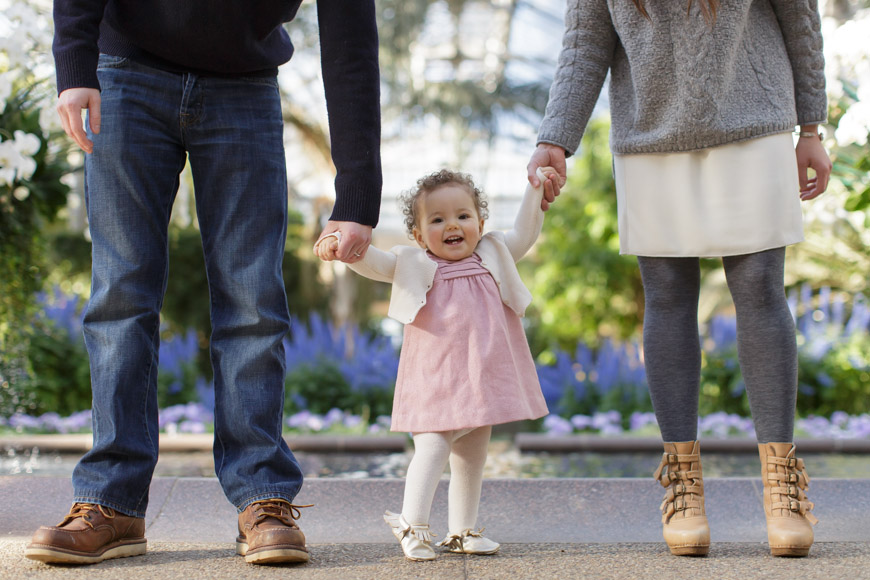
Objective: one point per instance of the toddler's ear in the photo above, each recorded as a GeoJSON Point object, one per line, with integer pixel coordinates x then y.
{"type": "Point", "coordinates": [418, 237]}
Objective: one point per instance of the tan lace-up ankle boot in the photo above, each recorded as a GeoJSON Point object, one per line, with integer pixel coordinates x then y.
{"type": "Point", "coordinates": [786, 506]}
{"type": "Point", "coordinates": [684, 521]}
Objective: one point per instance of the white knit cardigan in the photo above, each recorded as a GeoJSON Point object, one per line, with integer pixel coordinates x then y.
{"type": "Point", "coordinates": [411, 271]}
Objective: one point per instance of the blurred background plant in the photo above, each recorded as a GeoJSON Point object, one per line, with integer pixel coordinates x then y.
{"type": "Point", "coordinates": [461, 77]}
{"type": "Point", "coordinates": [33, 162]}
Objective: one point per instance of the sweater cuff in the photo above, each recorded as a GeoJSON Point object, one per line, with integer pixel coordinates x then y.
{"type": "Point", "coordinates": [357, 202]}
{"type": "Point", "coordinates": [557, 142]}
{"type": "Point", "coordinates": [76, 70]}
{"type": "Point", "coordinates": [813, 118]}
{"type": "Point", "coordinates": [556, 135]}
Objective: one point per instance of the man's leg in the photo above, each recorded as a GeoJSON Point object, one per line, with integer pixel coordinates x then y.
{"type": "Point", "coordinates": [131, 180]}
{"type": "Point", "coordinates": [234, 132]}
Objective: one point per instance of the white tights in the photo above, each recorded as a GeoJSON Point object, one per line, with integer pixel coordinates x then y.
{"type": "Point", "coordinates": [466, 449]}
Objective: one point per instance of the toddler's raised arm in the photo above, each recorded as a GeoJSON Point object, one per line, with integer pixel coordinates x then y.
{"type": "Point", "coordinates": [530, 217]}
{"type": "Point", "coordinates": [376, 264]}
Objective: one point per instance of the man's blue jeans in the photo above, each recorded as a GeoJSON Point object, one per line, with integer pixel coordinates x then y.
{"type": "Point", "coordinates": [232, 131]}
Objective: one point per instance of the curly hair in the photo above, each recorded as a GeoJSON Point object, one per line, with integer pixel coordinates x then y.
{"type": "Point", "coordinates": [430, 183]}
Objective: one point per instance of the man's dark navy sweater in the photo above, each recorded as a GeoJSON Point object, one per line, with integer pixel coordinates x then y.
{"type": "Point", "coordinates": [244, 38]}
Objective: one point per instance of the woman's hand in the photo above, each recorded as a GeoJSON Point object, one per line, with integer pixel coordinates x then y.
{"type": "Point", "coordinates": [552, 157]}
{"type": "Point", "coordinates": [812, 155]}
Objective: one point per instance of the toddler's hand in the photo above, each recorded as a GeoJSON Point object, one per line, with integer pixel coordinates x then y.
{"type": "Point", "coordinates": [550, 173]}
{"type": "Point", "coordinates": [326, 248]}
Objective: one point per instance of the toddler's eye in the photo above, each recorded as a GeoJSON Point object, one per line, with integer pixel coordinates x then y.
{"type": "Point", "coordinates": [436, 221]}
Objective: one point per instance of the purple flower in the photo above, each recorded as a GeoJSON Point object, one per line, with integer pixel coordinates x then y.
{"type": "Point", "coordinates": [639, 420]}
{"type": "Point", "coordinates": [581, 422]}
{"type": "Point", "coordinates": [556, 425]}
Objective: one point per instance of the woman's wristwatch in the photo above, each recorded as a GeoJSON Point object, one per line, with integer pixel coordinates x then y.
{"type": "Point", "coordinates": [818, 135]}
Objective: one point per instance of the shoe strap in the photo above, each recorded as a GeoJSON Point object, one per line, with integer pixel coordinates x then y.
{"type": "Point", "coordinates": [455, 541]}
{"type": "Point", "coordinates": [681, 489]}
{"type": "Point", "coordinates": [669, 508]}
{"type": "Point", "coordinates": [804, 508]}
{"type": "Point", "coordinates": [419, 531]}
{"type": "Point", "coordinates": [793, 479]}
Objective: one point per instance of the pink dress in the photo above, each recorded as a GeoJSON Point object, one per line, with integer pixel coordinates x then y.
{"type": "Point", "coordinates": [465, 361]}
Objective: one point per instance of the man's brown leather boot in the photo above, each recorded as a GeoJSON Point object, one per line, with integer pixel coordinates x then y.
{"type": "Point", "coordinates": [268, 533]}
{"type": "Point", "coordinates": [90, 533]}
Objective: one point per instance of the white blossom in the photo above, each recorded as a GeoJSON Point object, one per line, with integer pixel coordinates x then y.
{"type": "Point", "coordinates": [5, 90]}
{"type": "Point", "coordinates": [847, 62]}
{"type": "Point", "coordinates": [854, 126]}
{"type": "Point", "coordinates": [16, 161]}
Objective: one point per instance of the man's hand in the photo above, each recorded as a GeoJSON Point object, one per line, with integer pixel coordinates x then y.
{"type": "Point", "coordinates": [352, 241]}
{"type": "Point", "coordinates": [70, 105]}
{"type": "Point", "coordinates": [546, 155]}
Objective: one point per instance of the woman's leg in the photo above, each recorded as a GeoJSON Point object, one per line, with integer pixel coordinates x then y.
{"type": "Point", "coordinates": [431, 452]}
{"type": "Point", "coordinates": [672, 349]}
{"type": "Point", "coordinates": [466, 478]}
{"type": "Point", "coordinates": [767, 349]}
{"type": "Point", "coordinates": [766, 343]}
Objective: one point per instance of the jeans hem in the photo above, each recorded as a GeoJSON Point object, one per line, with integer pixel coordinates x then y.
{"type": "Point", "coordinates": [95, 497]}
{"type": "Point", "coordinates": [263, 495]}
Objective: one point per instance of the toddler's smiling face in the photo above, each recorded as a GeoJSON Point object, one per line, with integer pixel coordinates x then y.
{"type": "Point", "coordinates": [448, 224]}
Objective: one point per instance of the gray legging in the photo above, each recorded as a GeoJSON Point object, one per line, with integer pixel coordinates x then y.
{"type": "Point", "coordinates": [766, 344]}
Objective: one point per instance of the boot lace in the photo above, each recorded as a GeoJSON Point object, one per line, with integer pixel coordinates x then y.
{"type": "Point", "coordinates": [282, 510]}
{"type": "Point", "coordinates": [83, 511]}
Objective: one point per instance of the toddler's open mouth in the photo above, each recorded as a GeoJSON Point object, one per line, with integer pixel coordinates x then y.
{"type": "Point", "coordinates": [453, 240]}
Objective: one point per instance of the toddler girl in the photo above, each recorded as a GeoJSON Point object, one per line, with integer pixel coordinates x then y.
{"type": "Point", "coordinates": [465, 364]}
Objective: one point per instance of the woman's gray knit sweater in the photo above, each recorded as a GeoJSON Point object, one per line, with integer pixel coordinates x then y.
{"type": "Point", "coordinates": [678, 84]}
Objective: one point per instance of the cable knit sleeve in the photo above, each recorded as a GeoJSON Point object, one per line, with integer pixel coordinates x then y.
{"type": "Point", "coordinates": [801, 28]}
{"type": "Point", "coordinates": [587, 52]}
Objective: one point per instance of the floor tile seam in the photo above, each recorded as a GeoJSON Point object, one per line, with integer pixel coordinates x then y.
{"type": "Point", "coordinates": [163, 505]}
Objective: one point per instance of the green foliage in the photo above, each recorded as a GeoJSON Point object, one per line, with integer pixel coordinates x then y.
{"type": "Point", "coordinates": [722, 388]}
{"type": "Point", "coordinates": [320, 386]}
{"type": "Point", "coordinates": [838, 381]}
{"type": "Point", "coordinates": [61, 381]}
{"type": "Point", "coordinates": [584, 289]}
{"type": "Point", "coordinates": [27, 204]}
{"type": "Point", "coordinates": [852, 162]}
